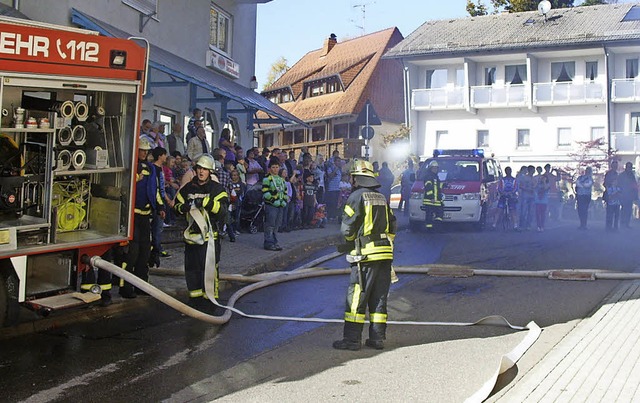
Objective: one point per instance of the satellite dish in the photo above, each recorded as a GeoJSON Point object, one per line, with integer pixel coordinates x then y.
{"type": "Point", "coordinates": [544, 7]}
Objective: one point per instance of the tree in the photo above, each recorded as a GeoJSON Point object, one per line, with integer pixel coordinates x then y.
{"type": "Point", "coordinates": [596, 2]}
{"type": "Point", "coordinates": [513, 6]}
{"type": "Point", "coordinates": [278, 68]}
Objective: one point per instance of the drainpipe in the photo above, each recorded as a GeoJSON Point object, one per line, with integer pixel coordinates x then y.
{"type": "Point", "coordinates": [608, 103]}
{"type": "Point", "coordinates": [16, 4]}
{"type": "Point", "coordinates": [407, 100]}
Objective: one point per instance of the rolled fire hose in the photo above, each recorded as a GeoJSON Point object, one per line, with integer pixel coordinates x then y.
{"type": "Point", "coordinates": [67, 109]}
{"type": "Point", "coordinates": [79, 135]}
{"type": "Point", "coordinates": [70, 216]}
{"type": "Point", "coordinates": [64, 160]}
{"type": "Point", "coordinates": [78, 159]}
{"type": "Point", "coordinates": [65, 136]}
{"type": "Point", "coordinates": [81, 110]}
{"type": "Point", "coordinates": [5, 112]}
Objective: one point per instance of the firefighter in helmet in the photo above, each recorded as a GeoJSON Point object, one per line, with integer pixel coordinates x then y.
{"type": "Point", "coordinates": [432, 198]}
{"type": "Point", "coordinates": [368, 226]}
{"type": "Point", "coordinates": [147, 203]}
{"type": "Point", "coordinates": [205, 203]}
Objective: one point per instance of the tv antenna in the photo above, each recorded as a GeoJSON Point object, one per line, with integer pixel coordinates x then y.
{"type": "Point", "coordinates": [363, 9]}
{"type": "Point", "coordinates": [544, 7]}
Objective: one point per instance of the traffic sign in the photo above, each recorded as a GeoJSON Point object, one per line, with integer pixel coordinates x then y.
{"type": "Point", "coordinates": [371, 120]}
{"type": "Point", "coordinates": [367, 132]}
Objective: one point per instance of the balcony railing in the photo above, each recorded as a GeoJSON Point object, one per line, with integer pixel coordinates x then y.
{"type": "Point", "coordinates": [437, 98]}
{"type": "Point", "coordinates": [488, 96]}
{"type": "Point", "coordinates": [625, 142]}
{"type": "Point", "coordinates": [625, 90]}
{"type": "Point", "coordinates": [567, 93]}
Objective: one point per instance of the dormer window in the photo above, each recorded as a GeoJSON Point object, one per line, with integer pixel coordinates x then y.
{"type": "Point", "coordinates": [326, 85]}
{"type": "Point", "coordinates": [279, 96]}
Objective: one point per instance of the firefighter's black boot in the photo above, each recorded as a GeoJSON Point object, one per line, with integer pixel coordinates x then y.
{"type": "Point", "coordinates": [351, 337]}
{"type": "Point", "coordinates": [345, 344]}
{"type": "Point", "coordinates": [377, 344]}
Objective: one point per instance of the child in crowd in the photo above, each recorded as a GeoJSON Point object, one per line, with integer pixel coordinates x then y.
{"type": "Point", "coordinates": [235, 201]}
{"type": "Point", "coordinates": [320, 217]}
{"type": "Point", "coordinates": [345, 190]}
{"type": "Point", "coordinates": [171, 186]}
{"type": "Point", "coordinates": [310, 201]}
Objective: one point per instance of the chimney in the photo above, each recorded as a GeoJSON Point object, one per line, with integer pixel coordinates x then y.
{"type": "Point", "coordinates": [329, 43]}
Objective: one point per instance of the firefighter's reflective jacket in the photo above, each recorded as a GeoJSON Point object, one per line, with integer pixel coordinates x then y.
{"type": "Point", "coordinates": [211, 200]}
{"type": "Point", "coordinates": [148, 196]}
{"type": "Point", "coordinates": [369, 224]}
{"type": "Point", "coordinates": [432, 190]}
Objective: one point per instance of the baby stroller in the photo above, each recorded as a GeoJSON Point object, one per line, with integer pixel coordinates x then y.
{"type": "Point", "coordinates": [251, 209]}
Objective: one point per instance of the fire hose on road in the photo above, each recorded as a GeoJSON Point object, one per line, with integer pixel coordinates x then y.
{"type": "Point", "coordinates": [506, 362]}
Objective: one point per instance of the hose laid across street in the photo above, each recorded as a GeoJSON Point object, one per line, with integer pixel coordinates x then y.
{"type": "Point", "coordinates": [507, 361]}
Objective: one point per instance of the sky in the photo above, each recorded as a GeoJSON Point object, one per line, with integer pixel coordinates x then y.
{"type": "Point", "coordinates": [291, 28]}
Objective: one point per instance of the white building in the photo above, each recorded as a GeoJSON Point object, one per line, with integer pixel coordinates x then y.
{"type": "Point", "coordinates": [525, 86]}
{"type": "Point", "coordinates": [202, 56]}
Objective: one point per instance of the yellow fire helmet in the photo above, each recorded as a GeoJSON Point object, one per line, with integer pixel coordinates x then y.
{"type": "Point", "coordinates": [206, 161]}
{"type": "Point", "coordinates": [145, 143]}
{"type": "Point", "coordinates": [362, 168]}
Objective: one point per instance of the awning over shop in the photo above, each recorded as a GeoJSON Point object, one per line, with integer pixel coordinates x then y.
{"type": "Point", "coordinates": [184, 72]}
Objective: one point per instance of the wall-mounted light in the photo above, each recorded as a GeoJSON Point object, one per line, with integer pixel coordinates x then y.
{"type": "Point", "coordinates": [253, 84]}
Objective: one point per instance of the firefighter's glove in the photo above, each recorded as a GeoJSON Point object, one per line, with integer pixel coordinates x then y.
{"type": "Point", "coordinates": [345, 247]}
{"type": "Point", "coordinates": [184, 208]}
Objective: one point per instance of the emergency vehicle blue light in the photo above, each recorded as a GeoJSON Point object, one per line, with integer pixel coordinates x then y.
{"type": "Point", "coordinates": [475, 152]}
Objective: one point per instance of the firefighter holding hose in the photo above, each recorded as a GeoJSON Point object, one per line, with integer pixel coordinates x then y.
{"type": "Point", "coordinates": [368, 226]}
{"type": "Point", "coordinates": [205, 202]}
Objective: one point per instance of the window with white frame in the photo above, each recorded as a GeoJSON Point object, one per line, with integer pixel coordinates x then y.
{"type": "Point", "coordinates": [220, 36]}
{"type": "Point", "coordinates": [483, 138]}
{"type": "Point", "coordinates": [436, 78]}
{"type": "Point", "coordinates": [597, 133]}
{"type": "Point", "coordinates": [515, 74]}
{"type": "Point", "coordinates": [563, 71]}
{"type": "Point", "coordinates": [524, 139]}
{"type": "Point", "coordinates": [631, 68]}
{"type": "Point", "coordinates": [442, 138]}
{"type": "Point", "coordinates": [635, 122]}
{"type": "Point", "coordinates": [460, 78]}
{"type": "Point", "coordinates": [591, 70]}
{"type": "Point", "coordinates": [147, 7]}
{"type": "Point", "coordinates": [564, 137]}
{"type": "Point", "coordinates": [489, 75]}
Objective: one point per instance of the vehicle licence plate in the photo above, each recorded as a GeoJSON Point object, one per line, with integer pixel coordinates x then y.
{"type": "Point", "coordinates": [447, 216]}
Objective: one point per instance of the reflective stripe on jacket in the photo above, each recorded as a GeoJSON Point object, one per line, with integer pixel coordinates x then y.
{"type": "Point", "coordinates": [215, 203]}
{"type": "Point", "coordinates": [432, 190]}
{"type": "Point", "coordinates": [368, 221]}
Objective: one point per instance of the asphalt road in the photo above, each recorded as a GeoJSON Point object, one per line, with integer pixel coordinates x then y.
{"type": "Point", "coordinates": [159, 355]}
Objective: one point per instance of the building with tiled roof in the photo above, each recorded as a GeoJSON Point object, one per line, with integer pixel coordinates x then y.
{"type": "Point", "coordinates": [527, 86]}
{"type": "Point", "coordinates": [327, 89]}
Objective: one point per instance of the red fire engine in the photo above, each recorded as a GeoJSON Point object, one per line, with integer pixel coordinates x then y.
{"type": "Point", "coordinates": [70, 102]}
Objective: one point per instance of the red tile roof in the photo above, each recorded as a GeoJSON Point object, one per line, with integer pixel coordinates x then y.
{"type": "Point", "coordinates": [358, 64]}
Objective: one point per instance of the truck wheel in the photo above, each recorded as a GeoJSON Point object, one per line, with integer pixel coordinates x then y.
{"type": "Point", "coordinates": [482, 222]}
{"type": "Point", "coordinates": [9, 307]}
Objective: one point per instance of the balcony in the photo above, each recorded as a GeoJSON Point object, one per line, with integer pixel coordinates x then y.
{"type": "Point", "coordinates": [625, 90]}
{"type": "Point", "coordinates": [437, 99]}
{"type": "Point", "coordinates": [566, 93]}
{"type": "Point", "coordinates": [489, 96]}
{"type": "Point", "coordinates": [625, 143]}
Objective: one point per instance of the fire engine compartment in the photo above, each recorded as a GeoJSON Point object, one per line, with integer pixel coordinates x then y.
{"type": "Point", "coordinates": [65, 170]}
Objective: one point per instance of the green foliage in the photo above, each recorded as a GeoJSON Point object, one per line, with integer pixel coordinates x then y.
{"type": "Point", "coordinates": [278, 68]}
{"type": "Point", "coordinates": [402, 134]}
{"type": "Point", "coordinates": [594, 2]}
{"type": "Point", "coordinates": [475, 8]}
